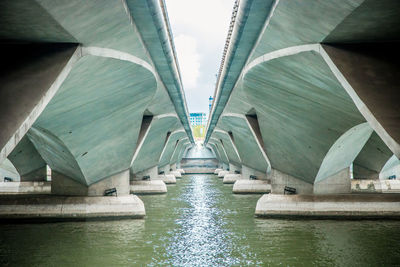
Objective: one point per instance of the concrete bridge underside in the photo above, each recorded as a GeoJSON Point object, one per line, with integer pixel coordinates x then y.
{"type": "Point", "coordinates": [91, 90]}
{"type": "Point", "coordinates": [307, 89]}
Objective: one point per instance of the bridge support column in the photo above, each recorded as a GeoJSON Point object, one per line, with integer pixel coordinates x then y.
{"type": "Point", "coordinates": [233, 168]}
{"type": "Point", "coordinates": [151, 186]}
{"type": "Point", "coordinates": [279, 180]}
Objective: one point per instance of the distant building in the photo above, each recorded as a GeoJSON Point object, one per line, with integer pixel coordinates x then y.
{"type": "Point", "coordinates": [198, 118]}
{"type": "Point", "coordinates": [210, 101]}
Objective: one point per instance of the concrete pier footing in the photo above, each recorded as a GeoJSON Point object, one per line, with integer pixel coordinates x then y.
{"type": "Point", "coordinates": [59, 208]}
{"type": "Point", "coordinates": [148, 187]}
{"type": "Point", "coordinates": [25, 187]}
{"type": "Point", "coordinates": [231, 178]}
{"type": "Point", "coordinates": [246, 186]}
{"type": "Point", "coordinates": [177, 174]}
{"type": "Point", "coordinates": [167, 178]}
{"type": "Point", "coordinates": [221, 174]}
{"type": "Point", "coordinates": [217, 171]}
{"type": "Point", "coordinates": [357, 206]}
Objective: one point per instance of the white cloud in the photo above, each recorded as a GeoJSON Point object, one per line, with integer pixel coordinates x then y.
{"type": "Point", "coordinates": [189, 60]}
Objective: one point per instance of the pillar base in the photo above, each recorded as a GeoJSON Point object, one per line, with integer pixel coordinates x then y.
{"type": "Point", "coordinates": [217, 171]}
{"type": "Point", "coordinates": [167, 178]}
{"type": "Point", "coordinates": [148, 187]}
{"type": "Point", "coordinates": [231, 178]}
{"type": "Point", "coordinates": [182, 171]}
{"type": "Point", "coordinates": [221, 174]}
{"type": "Point", "coordinates": [25, 187]}
{"type": "Point", "coordinates": [177, 174]}
{"type": "Point", "coordinates": [251, 187]}
{"type": "Point", "coordinates": [59, 208]}
{"type": "Point", "coordinates": [279, 180]}
{"type": "Point", "coordinates": [66, 186]}
{"type": "Point", "coordinates": [343, 206]}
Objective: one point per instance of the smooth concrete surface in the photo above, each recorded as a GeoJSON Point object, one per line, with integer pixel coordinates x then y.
{"type": "Point", "coordinates": [329, 206]}
{"type": "Point", "coordinates": [375, 186]}
{"type": "Point", "coordinates": [247, 171]}
{"type": "Point", "coordinates": [279, 180]}
{"type": "Point", "coordinates": [48, 207]}
{"type": "Point", "coordinates": [338, 183]}
{"type": "Point", "coordinates": [221, 174]}
{"type": "Point", "coordinates": [41, 187]}
{"type": "Point", "coordinates": [246, 186]}
{"type": "Point", "coordinates": [167, 178]}
{"type": "Point", "coordinates": [62, 185]}
{"type": "Point", "coordinates": [148, 187]}
{"type": "Point", "coordinates": [231, 178]}
{"type": "Point", "coordinates": [177, 174]}
{"type": "Point", "coordinates": [217, 171]}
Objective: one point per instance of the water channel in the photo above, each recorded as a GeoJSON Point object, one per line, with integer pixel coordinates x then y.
{"type": "Point", "coordinates": [199, 222]}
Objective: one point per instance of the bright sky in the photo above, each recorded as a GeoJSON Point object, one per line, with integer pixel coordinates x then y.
{"type": "Point", "coordinates": [200, 28]}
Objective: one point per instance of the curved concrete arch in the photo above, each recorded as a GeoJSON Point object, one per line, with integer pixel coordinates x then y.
{"type": "Point", "coordinates": [392, 167]}
{"type": "Point", "coordinates": [56, 154]}
{"type": "Point", "coordinates": [218, 142]}
{"type": "Point", "coordinates": [33, 114]}
{"type": "Point", "coordinates": [87, 105]}
{"type": "Point", "coordinates": [254, 135]}
{"type": "Point", "coordinates": [216, 129]}
{"type": "Point", "coordinates": [216, 152]}
{"type": "Point", "coordinates": [116, 54]}
{"type": "Point", "coordinates": [344, 151]}
{"type": "Point", "coordinates": [159, 125]}
{"type": "Point", "coordinates": [178, 148]}
{"type": "Point", "coordinates": [361, 106]}
{"type": "Point", "coordinates": [300, 110]}
{"type": "Point", "coordinates": [170, 147]}
{"type": "Point", "coordinates": [167, 141]}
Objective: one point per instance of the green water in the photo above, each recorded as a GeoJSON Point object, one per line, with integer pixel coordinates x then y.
{"type": "Point", "coordinates": [201, 223]}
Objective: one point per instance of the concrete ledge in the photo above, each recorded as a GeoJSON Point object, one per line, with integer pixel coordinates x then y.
{"type": "Point", "coordinates": [50, 207]}
{"type": "Point", "coordinates": [148, 187]}
{"type": "Point", "coordinates": [177, 174]}
{"type": "Point", "coordinates": [217, 171]}
{"type": "Point", "coordinates": [375, 186]}
{"type": "Point", "coordinates": [167, 178]}
{"type": "Point", "coordinates": [231, 178]}
{"type": "Point", "coordinates": [199, 170]}
{"type": "Point", "coordinates": [354, 206]}
{"type": "Point", "coordinates": [251, 187]}
{"type": "Point", "coordinates": [182, 171]}
{"type": "Point", "coordinates": [221, 174]}
{"type": "Point", "coordinates": [41, 187]}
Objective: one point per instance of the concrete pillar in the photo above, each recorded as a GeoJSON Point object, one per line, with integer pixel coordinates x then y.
{"type": "Point", "coordinates": [247, 171]}
{"type": "Point", "coordinates": [173, 167]}
{"type": "Point", "coordinates": [279, 180]}
{"type": "Point", "coordinates": [165, 169]}
{"type": "Point", "coordinates": [152, 172]}
{"type": "Point", "coordinates": [233, 168]}
{"type": "Point", "coordinates": [338, 183]}
{"type": "Point", "coordinates": [63, 185]}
